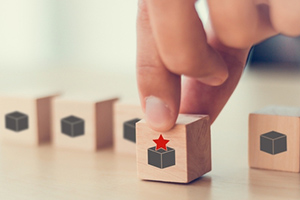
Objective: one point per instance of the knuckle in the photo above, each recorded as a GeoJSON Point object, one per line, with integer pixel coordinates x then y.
{"type": "Point", "coordinates": [147, 69]}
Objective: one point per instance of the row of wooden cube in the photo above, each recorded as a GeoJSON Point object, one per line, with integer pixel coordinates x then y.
{"type": "Point", "coordinates": [43, 118]}
{"type": "Point", "coordinates": [274, 137]}
{"type": "Point", "coordinates": [87, 124]}
{"type": "Point", "coordinates": [274, 133]}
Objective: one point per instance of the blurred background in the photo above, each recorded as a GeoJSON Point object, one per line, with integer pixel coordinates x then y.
{"type": "Point", "coordinates": [92, 33]}
{"type": "Point", "coordinates": [43, 33]}
{"type": "Point", "coordinates": [91, 45]}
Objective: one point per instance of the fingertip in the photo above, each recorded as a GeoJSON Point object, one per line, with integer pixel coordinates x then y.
{"type": "Point", "coordinates": [159, 115]}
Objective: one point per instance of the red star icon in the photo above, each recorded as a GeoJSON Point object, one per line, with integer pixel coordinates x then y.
{"type": "Point", "coordinates": [161, 143]}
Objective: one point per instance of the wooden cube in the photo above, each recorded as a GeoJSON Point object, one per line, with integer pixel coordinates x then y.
{"type": "Point", "coordinates": [274, 134]}
{"type": "Point", "coordinates": [125, 118]}
{"type": "Point", "coordinates": [82, 123]}
{"type": "Point", "coordinates": [26, 118]}
{"type": "Point", "coordinates": [181, 155]}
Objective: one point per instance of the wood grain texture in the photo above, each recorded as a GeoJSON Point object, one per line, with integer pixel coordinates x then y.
{"type": "Point", "coordinates": [122, 113]}
{"type": "Point", "coordinates": [37, 109]}
{"type": "Point", "coordinates": [285, 161]}
{"type": "Point", "coordinates": [190, 138]}
{"type": "Point", "coordinates": [97, 116]}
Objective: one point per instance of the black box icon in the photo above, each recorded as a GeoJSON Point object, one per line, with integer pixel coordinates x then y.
{"type": "Point", "coordinates": [16, 121]}
{"type": "Point", "coordinates": [129, 129]}
{"type": "Point", "coordinates": [72, 126]}
{"type": "Point", "coordinates": [273, 142]}
{"type": "Point", "coordinates": [161, 158]}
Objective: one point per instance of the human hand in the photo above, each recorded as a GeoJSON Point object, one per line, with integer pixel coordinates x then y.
{"type": "Point", "coordinates": [172, 42]}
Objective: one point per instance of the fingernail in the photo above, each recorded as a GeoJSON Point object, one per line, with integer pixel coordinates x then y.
{"type": "Point", "coordinates": [157, 112]}
{"type": "Point", "coordinates": [213, 81]}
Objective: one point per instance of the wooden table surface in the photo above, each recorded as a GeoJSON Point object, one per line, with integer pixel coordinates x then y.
{"type": "Point", "coordinates": [44, 172]}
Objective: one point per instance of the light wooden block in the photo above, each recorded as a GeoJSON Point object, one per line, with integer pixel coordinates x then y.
{"type": "Point", "coordinates": [284, 153]}
{"type": "Point", "coordinates": [35, 109]}
{"type": "Point", "coordinates": [190, 139]}
{"type": "Point", "coordinates": [122, 113]}
{"type": "Point", "coordinates": [95, 113]}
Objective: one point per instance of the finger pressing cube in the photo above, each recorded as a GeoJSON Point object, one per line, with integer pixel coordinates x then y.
{"type": "Point", "coordinates": [180, 155]}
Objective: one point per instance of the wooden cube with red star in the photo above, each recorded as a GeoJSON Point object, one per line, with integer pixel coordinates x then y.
{"type": "Point", "coordinates": [180, 155]}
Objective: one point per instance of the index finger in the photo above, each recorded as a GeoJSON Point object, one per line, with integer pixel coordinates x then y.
{"type": "Point", "coordinates": [182, 43]}
{"type": "Point", "coordinates": [159, 89]}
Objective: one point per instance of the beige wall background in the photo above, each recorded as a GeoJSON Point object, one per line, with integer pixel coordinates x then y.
{"type": "Point", "coordinates": [92, 33]}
